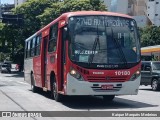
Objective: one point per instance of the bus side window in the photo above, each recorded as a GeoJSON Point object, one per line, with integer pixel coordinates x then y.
{"type": "Point", "coordinates": [53, 38]}
{"type": "Point", "coordinates": [38, 45]}
{"type": "Point", "coordinates": [26, 46]}
{"type": "Point", "coordinates": [30, 54]}
{"type": "Point", "coordinates": [28, 49]}
{"type": "Point", "coordinates": [33, 47]}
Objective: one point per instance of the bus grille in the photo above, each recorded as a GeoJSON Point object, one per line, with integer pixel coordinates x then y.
{"type": "Point", "coordinates": [106, 79]}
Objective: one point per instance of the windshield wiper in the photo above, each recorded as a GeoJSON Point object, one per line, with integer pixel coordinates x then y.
{"type": "Point", "coordinates": [96, 42]}
{"type": "Point", "coordinates": [120, 49]}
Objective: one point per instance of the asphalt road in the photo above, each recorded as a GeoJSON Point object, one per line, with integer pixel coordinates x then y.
{"type": "Point", "coordinates": [16, 95]}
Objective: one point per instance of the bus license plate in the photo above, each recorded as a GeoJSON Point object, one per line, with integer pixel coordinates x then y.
{"type": "Point", "coordinates": [105, 87]}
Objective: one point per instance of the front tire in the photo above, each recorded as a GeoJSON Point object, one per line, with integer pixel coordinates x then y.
{"type": "Point", "coordinates": [108, 98]}
{"type": "Point", "coordinates": [155, 85]}
{"type": "Point", "coordinates": [56, 96]}
{"type": "Point", "coordinates": [33, 87]}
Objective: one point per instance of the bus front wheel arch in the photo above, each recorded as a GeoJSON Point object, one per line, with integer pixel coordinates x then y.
{"type": "Point", "coordinates": [33, 87]}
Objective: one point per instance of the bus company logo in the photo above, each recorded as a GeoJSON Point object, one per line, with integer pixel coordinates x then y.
{"type": "Point", "coordinates": [6, 114]}
{"type": "Point", "coordinates": [98, 73]}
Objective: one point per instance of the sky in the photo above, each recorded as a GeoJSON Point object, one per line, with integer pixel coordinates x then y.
{"type": "Point", "coordinates": [7, 1]}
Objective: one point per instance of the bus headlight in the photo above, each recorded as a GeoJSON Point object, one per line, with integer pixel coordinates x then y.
{"type": "Point", "coordinates": [75, 74]}
{"type": "Point", "coordinates": [135, 75]}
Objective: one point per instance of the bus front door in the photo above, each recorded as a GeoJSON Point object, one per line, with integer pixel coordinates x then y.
{"type": "Point", "coordinates": [44, 80]}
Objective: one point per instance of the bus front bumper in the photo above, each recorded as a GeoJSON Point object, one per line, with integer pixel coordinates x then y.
{"type": "Point", "coordinates": [76, 87]}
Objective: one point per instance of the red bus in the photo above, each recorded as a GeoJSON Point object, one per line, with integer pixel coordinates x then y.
{"type": "Point", "coordinates": [85, 53]}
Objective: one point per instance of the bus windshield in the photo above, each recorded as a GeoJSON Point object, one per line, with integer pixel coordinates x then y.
{"type": "Point", "coordinates": [103, 40]}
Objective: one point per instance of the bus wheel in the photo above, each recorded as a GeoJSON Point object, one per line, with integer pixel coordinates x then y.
{"type": "Point", "coordinates": [56, 96]}
{"type": "Point", "coordinates": [108, 98]}
{"type": "Point", "coordinates": [155, 85]}
{"type": "Point", "coordinates": [33, 87]}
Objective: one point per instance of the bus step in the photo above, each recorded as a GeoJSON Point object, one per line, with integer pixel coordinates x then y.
{"type": "Point", "coordinates": [45, 89]}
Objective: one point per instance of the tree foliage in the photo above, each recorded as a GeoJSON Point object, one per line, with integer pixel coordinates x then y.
{"type": "Point", "coordinates": [38, 13]}
{"type": "Point", "coordinates": [31, 9]}
{"type": "Point", "coordinates": [58, 8]}
{"type": "Point", "coordinates": [150, 35]}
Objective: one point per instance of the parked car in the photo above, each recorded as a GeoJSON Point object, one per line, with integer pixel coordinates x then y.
{"type": "Point", "coordinates": [5, 68]}
{"type": "Point", "coordinates": [8, 63]}
{"type": "Point", "coordinates": [150, 74]}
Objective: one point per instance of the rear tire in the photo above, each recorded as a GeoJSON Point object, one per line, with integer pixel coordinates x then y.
{"type": "Point", "coordinates": [155, 85]}
{"type": "Point", "coordinates": [108, 98]}
{"type": "Point", "coordinates": [54, 90]}
{"type": "Point", "coordinates": [33, 87]}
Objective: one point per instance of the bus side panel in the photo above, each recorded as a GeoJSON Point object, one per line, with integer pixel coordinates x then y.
{"type": "Point", "coordinates": [51, 66]}
{"type": "Point", "coordinates": [37, 71]}
{"type": "Point", "coordinates": [28, 68]}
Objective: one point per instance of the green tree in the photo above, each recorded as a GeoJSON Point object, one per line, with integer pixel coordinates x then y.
{"type": "Point", "coordinates": [58, 8]}
{"type": "Point", "coordinates": [150, 35]}
{"type": "Point", "coordinates": [38, 13]}
{"type": "Point", "coordinates": [31, 9]}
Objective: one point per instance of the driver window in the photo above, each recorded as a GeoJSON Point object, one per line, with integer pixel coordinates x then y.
{"type": "Point", "coordinates": [53, 38]}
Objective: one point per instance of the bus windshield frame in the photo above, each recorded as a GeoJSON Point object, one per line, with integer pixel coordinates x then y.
{"type": "Point", "coordinates": [100, 41]}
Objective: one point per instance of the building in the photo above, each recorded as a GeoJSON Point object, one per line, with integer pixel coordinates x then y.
{"type": "Point", "coordinates": [139, 7]}
{"type": "Point", "coordinates": [131, 7]}
{"type": "Point", "coordinates": [153, 11]}
{"type": "Point", "coordinates": [108, 4]}
{"type": "Point", "coordinates": [151, 52]}
{"type": "Point", "coordinates": [142, 20]}
{"type": "Point", "coordinates": [6, 8]}
{"type": "Point", "coordinates": [135, 8]}
{"type": "Point", "coordinates": [19, 2]}
{"type": "Point", "coordinates": [116, 6]}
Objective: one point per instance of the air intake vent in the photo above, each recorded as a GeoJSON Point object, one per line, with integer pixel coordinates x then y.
{"type": "Point", "coordinates": [106, 79]}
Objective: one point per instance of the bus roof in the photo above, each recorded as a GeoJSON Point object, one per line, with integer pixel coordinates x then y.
{"type": "Point", "coordinates": [64, 16]}
{"type": "Point", "coordinates": [68, 14]}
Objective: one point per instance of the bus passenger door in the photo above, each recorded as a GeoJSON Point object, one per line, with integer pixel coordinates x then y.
{"type": "Point", "coordinates": [44, 82]}
{"type": "Point", "coordinates": [64, 53]}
